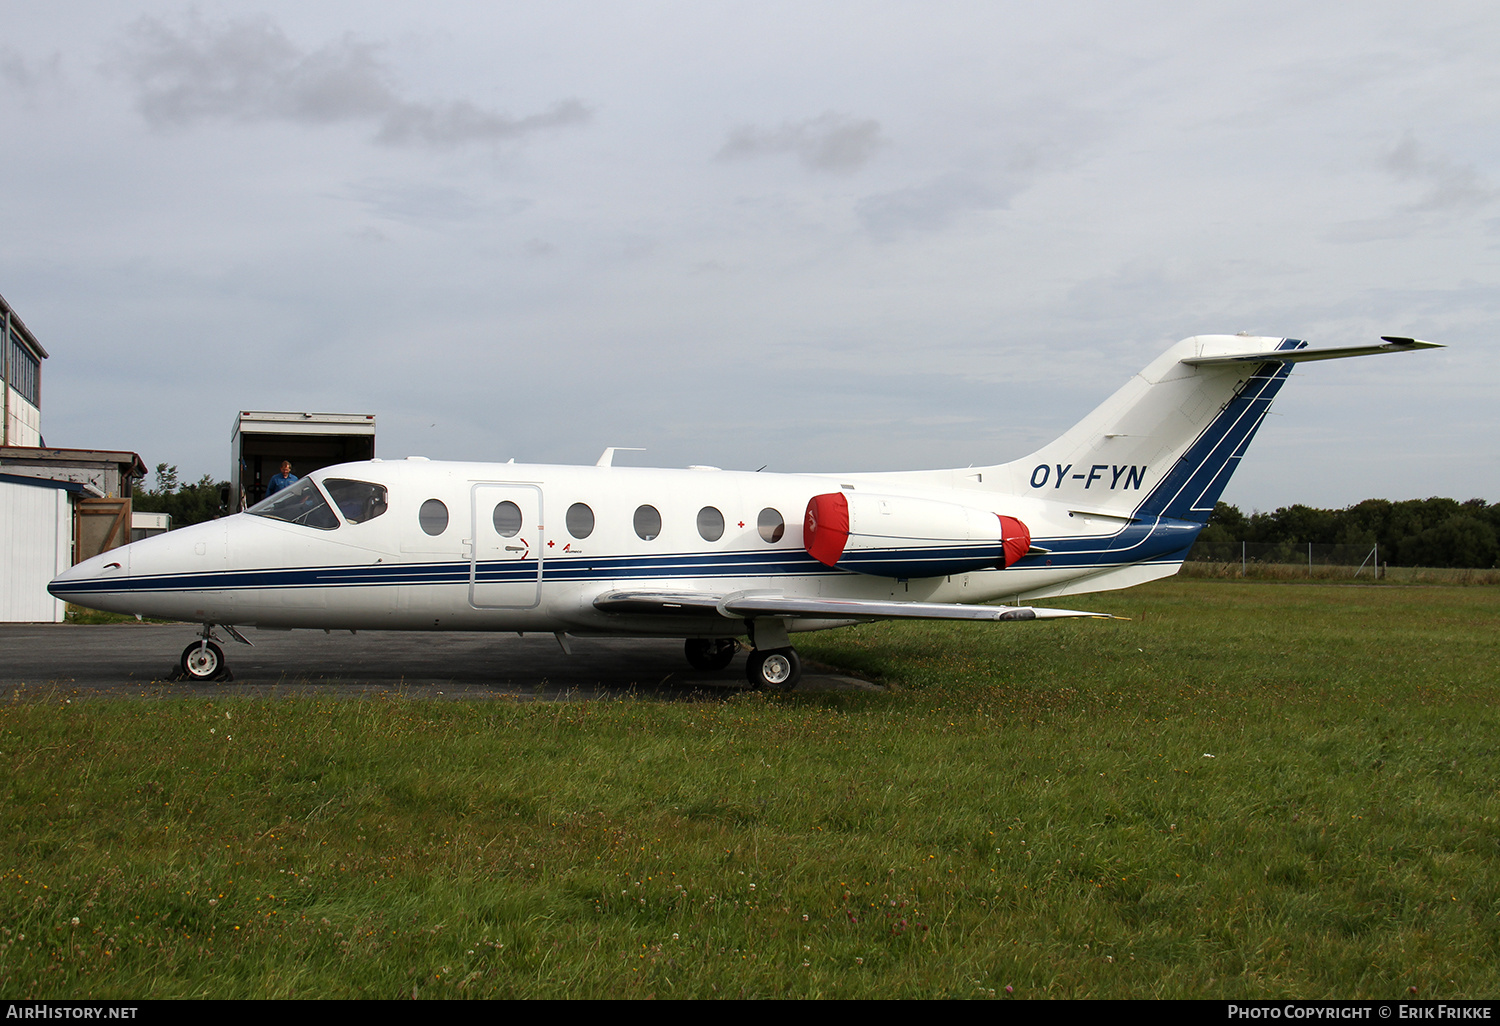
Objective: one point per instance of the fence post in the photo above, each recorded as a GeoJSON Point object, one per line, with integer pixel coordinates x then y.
{"type": "Point", "coordinates": [1309, 559]}
{"type": "Point", "coordinates": [1242, 559]}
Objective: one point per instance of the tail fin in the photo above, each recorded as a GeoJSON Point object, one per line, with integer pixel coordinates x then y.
{"type": "Point", "coordinates": [1166, 444]}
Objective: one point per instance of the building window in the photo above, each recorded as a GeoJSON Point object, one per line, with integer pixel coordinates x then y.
{"type": "Point", "coordinates": [25, 373]}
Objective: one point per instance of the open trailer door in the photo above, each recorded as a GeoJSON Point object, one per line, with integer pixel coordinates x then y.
{"type": "Point", "coordinates": [261, 440]}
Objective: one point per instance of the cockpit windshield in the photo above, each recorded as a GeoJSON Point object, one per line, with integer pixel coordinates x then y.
{"type": "Point", "coordinates": [358, 501]}
{"type": "Point", "coordinates": [301, 503]}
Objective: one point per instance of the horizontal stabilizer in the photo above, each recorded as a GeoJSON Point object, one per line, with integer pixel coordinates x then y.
{"type": "Point", "coordinates": [1393, 344]}
{"type": "Point", "coordinates": [748, 605]}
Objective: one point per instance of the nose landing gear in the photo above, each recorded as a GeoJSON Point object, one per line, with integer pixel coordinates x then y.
{"type": "Point", "coordinates": [204, 659]}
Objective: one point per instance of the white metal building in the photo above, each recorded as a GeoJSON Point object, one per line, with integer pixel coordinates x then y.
{"type": "Point", "coordinates": [36, 544]}
{"type": "Point", "coordinates": [57, 506]}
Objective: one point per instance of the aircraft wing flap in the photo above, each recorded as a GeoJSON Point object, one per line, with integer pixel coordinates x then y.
{"type": "Point", "coordinates": [671, 603]}
{"type": "Point", "coordinates": [748, 605]}
{"type": "Point", "coordinates": [873, 609]}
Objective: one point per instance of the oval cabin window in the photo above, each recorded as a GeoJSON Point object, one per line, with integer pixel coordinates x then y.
{"type": "Point", "coordinates": [580, 520]}
{"type": "Point", "coordinates": [507, 519]}
{"type": "Point", "coordinates": [710, 524]}
{"type": "Point", "coordinates": [647, 523]}
{"type": "Point", "coordinates": [770, 525]}
{"type": "Point", "coordinates": [433, 516]}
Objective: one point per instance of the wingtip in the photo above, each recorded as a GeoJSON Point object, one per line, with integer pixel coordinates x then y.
{"type": "Point", "coordinates": [1411, 343]}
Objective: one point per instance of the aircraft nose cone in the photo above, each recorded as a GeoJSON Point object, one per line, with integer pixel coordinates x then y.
{"type": "Point", "coordinates": [101, 573]}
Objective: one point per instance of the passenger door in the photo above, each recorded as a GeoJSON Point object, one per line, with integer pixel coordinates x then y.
{"type": "Point", "coordinates": [505, 560]}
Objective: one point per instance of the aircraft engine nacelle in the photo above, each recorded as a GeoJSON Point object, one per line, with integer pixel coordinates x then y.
{"type": "Point", "coordinates": [895, 536]}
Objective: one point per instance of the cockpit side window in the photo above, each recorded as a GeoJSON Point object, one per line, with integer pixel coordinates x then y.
{"type": "Point", "coordinates": [358, 501]}
{"type": "Point", "coordinates": [301, 503]}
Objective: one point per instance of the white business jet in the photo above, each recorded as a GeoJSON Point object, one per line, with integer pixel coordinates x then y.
{"type": "Point", "coordinates": [714, 556]}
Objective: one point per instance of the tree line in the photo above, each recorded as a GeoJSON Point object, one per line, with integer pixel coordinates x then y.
{"type": "Point", "coordinates": [188, 503]}
{"type": "Point", "coordinates": [1432, 532]}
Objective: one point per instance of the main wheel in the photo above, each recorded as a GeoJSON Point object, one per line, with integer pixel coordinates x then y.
{"type": "Point", "coordinates": [709, 653]}
{"type": "Point", "coordinates": [775, 669]}
{"type": "Point", "coordinates": [202, 661]}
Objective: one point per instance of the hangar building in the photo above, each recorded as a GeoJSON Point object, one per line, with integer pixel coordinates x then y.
{"type": "Point", "coordinates": [57, 506]}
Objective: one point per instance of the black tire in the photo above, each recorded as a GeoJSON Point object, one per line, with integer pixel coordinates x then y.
{"type": "Point", "coordinates": [775, 669]}
{"type": "Point", "coordinates": [202, 661]}
{"type": "Point", "coordinates": [709, 653]}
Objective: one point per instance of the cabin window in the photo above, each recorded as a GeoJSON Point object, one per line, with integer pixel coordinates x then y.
{"type": "Point", "coordinates": [710, 524]}
{"type": "Point", "coordinates": [770, 525]}
{"type": "Point", "coordinates": [647, 522]}
{"type": "Point", "coordinates": [433, 516]}
{"type": "Point", "coordinates": [580, 520]}
{"type": "Point", "coordinates": [302, 503]}
{"type": "Point", "coordinates": [358, 501]}
{"type": "Point", "coordinates": [507, 518]}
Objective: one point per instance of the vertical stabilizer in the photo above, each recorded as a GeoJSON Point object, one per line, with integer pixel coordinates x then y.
{"type": "Point", "coordinates": [1166, 443]}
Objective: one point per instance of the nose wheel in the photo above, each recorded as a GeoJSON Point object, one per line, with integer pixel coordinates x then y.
{"type": "Point", "coordinates": [774, 669]}
{"type": "Point", "coordinates": [202, 660]}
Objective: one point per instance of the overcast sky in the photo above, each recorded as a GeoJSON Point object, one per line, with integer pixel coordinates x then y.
{"type": "Point", "coordinates": [814, 236]}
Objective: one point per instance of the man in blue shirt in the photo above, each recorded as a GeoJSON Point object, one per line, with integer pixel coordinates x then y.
{"type": "Point", "coordinates": [282, 480]}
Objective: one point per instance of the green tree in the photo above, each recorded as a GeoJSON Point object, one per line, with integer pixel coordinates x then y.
{"type": "Point", "coordinates": [188, 504]}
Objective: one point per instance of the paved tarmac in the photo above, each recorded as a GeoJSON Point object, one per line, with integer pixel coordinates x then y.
{"type": "Point", "coordinates": [139, 660]}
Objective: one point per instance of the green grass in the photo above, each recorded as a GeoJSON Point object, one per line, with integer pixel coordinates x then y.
{"type": "Point", "coordinates": [1248, 790]}
{"type": "Point", "coordinates": [84, 615]}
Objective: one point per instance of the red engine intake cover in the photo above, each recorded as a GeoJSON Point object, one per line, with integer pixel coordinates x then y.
{"type": "Point", "coordinates": [1017, 538]}
{"type": "Point", "coordinates": [825, 528]}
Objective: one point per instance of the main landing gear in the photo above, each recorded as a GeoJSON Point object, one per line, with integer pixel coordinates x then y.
{"type": "Point", "coordinates": [773, 665]}
{"type": "Point", "coordinates": [710, 653]}
{"type": "Point", "coordinates": [772, 668]}
{"type": "Point", "coordinates": [204, 659]}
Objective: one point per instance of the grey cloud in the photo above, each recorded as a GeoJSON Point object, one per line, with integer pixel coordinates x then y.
{"type": "Point", "coordinates": [829, 142]}
{"type": "Point", "coordinates": [1448, 185]}
{"type": "Point", "coordinates": [425, 204]}
{"type": "Point", "coordinates": [447, 124]}
{"type": "Point", "coordinates": [28, 76]}
{"type": "Point", "coordinates": [1448, 188]}
{"type": "Point", "coordinates": [250, 71]}
{"type": "Point", "coordinates": [933, 206]}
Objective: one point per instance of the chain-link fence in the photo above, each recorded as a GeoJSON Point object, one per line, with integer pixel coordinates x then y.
{"type": "Point", "coordinates": [1292, 560]}
{"type": "Point", "coordinates": [1287, 559]}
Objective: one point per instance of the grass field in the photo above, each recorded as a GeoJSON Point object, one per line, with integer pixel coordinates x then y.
{"type": "Point", "coordinates": [1247, 790]}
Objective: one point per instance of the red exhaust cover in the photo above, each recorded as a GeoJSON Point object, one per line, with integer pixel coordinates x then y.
{"type": "Point", "coordinates": [1017, 538]}
{"type": "Point", "coordinates": [825, 528]}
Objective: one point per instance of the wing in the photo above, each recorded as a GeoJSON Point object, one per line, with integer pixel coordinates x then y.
{"type": "Point", "coordinates": [746, 605]}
